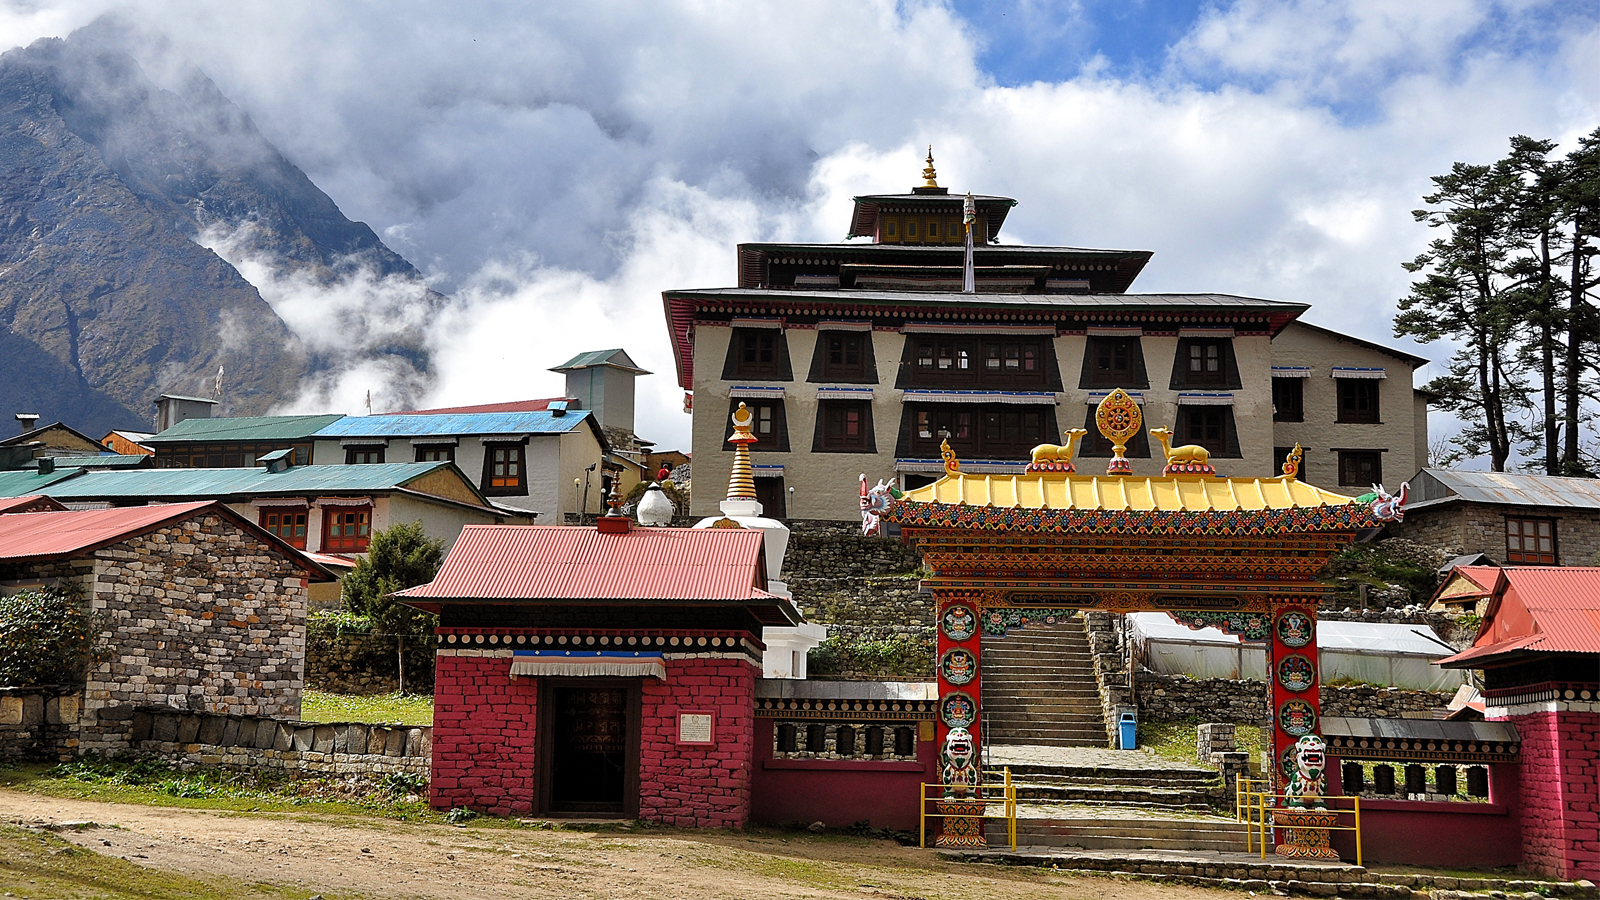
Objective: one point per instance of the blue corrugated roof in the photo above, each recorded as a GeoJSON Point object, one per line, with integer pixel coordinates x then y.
{"type": "Point", "coordinates": [180, 484]}
{"type": "Point", "coordinates": [454, 424]}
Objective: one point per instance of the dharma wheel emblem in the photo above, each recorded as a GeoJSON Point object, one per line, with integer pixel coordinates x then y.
{"type": "Point", "coordinates": [1119, 419]}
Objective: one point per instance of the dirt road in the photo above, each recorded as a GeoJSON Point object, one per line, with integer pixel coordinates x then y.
{"type": "Point", "coordinates": [394, 860]}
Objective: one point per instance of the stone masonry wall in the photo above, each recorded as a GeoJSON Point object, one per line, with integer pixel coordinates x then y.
{"type": "Point", "coordinates": [366, 663]}
{"type": "Point", "coordinates": [39, 723]}
{"type": "Point", "coordinates": [700, 786]}
{"type": "Point", "coordinates": [1480, 528]}
{"type": "Point", "coordinates": [200, 616]}
{"type": "Point", "coordinates": [1176, 698]}
{"type": "Point", "coordinates": [258, 744]}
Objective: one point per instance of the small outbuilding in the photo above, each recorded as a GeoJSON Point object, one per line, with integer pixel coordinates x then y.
{"type": "Point", "coordinates": [1529, 520]}
{"type": "Point", "coordinates": [604, 670]}
{"type": "Point", "coordinates": [200, 609]}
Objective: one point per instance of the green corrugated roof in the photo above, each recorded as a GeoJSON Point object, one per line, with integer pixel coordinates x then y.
{"type": "Point", "coordinates": [244, 428]}
{"type": "Point", "coordinates": [23, 482]}
{"type": "Point", "coordinates": [220, 484]}
{"type": "Point", "coordinates": [103, 461]}
{"type": "Point", "coordinates": [616, 357]}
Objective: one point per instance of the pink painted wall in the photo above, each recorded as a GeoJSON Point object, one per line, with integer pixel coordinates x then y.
{"type": "Point", "coordinates": [484, 743]}
{"type": "Point", "coordinates": [1445, 834]}
{"type": "Point", "coordinates": [838, 792]}
{"type": "Point", "coordinates": [1561, 793]}
{"type": "Point", "coordinates": [706, 786]}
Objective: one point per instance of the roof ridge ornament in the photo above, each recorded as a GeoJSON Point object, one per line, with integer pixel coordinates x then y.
{"type": "Point", "coordinates": [1118, 417]}
{"type": "Point", "coordinates": [952, 466]}
{"type": "Point", "coordinates": [1291, 463]}
{"type": "Point", "coordinates": [929, 176]}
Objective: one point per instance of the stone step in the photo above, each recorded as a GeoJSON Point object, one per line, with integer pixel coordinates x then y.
{"type": "Point", "coordinates": [1119, 833]}
{"type": "Point", "coordinates": [1112, 793]}
{"type": "Point", "coordinates": [1105, 775]}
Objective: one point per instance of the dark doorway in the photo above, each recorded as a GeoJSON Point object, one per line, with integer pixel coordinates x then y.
{"type": "Point", "coordinates": [591, 738]}
{"type": "Point", "coordinates": [772, 497]}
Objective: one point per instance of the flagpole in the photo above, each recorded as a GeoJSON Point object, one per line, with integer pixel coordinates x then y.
{"type": "Point", "coordinates": [970, 217]}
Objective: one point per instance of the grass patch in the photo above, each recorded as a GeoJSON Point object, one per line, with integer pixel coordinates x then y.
{"type": "Point", "coordinates": [1176, 740]}
{"type": "Point", "coordinates": [35, 864]}
{"type": "Point", "coordinates": [148, 781]}
{"type": "Point", "coordinates": [378, 709]}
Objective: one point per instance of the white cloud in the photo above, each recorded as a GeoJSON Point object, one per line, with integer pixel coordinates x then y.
{"type": "Point", "coordinates": [556, 168]}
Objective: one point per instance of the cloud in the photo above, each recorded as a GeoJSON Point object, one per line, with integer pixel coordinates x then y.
{"type": "Point", "coordinates": [554, 169]}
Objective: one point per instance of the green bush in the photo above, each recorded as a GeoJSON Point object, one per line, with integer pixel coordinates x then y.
{"type": "Point", "coordinates": [900, 655]}
{"type": "Point", "coordinates": [46, 637]}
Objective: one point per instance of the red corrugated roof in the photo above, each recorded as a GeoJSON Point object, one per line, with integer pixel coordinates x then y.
{"type": "Point", "coordinates": [510, 406]}
{"type": "Point", "coordinates": [560, 562]}
{"type": "Point", "coordinates": [1547, 609]}
{"type": "Point", "coordinates": [31, 503]}
{"type": "Point", "coordinates": [52, 535]}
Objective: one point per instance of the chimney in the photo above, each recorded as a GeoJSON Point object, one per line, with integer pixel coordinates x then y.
{"type": "Point", "coordinates": [27, 420]}
{"type": "Point", "coordinates": [47, 465]}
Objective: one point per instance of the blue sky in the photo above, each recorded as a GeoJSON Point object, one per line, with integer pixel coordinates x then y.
{"type": "Point", "coordinates": [1024, 42]}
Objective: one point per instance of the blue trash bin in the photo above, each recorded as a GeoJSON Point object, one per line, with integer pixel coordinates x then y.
{"type": "Point", "coordinates": [1127, 731]}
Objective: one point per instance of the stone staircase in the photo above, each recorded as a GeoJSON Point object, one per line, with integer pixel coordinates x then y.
{"type": "Point", "coordinates": [1039, 688]}
{"type": "Point", "coordinates": [1113, 829]}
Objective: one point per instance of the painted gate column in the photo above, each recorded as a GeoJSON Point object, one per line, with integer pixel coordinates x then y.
{"type": "Point", "coordinates": [1299, 765]}
{"type": "Point", "coordinates": [959, 722]}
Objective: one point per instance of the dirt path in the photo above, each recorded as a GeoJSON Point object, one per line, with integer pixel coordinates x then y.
{"type": "Point", "coordinates": [395, 860]}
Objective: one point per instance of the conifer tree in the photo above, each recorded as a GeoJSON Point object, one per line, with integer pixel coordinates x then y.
{"type": "Point", "coordinates": [398, 557]}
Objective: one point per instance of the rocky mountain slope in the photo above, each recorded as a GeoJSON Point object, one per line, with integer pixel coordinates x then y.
{"type": "Point", "coordinates": [107, 183]}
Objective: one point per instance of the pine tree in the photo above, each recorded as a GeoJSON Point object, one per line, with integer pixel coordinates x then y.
{"type": "Point", "coordinates": [398, 557]}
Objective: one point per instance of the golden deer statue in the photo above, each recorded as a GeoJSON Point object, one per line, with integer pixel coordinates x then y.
{"type": "Point", "coordinates": [1054, 453]}
{"type": "Point", "coordinates": [1188, 454]}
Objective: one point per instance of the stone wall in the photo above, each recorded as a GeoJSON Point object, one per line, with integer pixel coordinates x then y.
{"type": "Point", "coordinates": [826, 550]}
{"type": "Point", "coordinates": [353, 663]}
{"type": "Point", "coordinates": [39, 723]}
{"type": "Point", "coordinates": [1176, 698]}
{"type": "Point", "coordinates": [1481, 528]}
{"type": "Point", "coordinates": [261, 744]}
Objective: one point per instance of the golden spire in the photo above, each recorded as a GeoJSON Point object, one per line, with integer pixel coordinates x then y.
{"type": "Point", "coordinates": [742, 483]}
{"type": "Point", "coordinates": [930, 177]}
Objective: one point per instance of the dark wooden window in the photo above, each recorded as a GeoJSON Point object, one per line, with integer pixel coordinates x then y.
{"type": "Point", "coordinates": [1205, 363]}
{"type": "Point", "coordinates": [772, 496]}
{"type": "Point", "coordinates": [1113, 362]}
{"type": "Point", "coordinates": [768, 424]}
{"type": "Point", "coordinates": [976, 432]}
{"type": "Point", "coordinates": [844, 426]}
{"type": "Point", "coordinates": [760, 353]}
{"type": "Point", "coordinates": [445, 453]}
{"type": "Point", "coordinates": [1531, 542]}
{"type": "Point", "coordinates": [288, 524]}
{"type": "Point", "coordinates": [844, 356]}
{"type": "Point", "coordinates": [505, 469]}
{"type": "Point", "coordinates": [1209, 426]}
{"type": "Point", "coordinates": [346, 529]}
{"type": "Point", "coordinates": [1358, 400]}
{"type": "Point", "coordinates": [1360, 468]}
{"type": "Point", "coordinates": [357, 456]}
{"type": "Point", "coordinates": [1288, 400]}
{"type": "Point", "coordinates": [972, 363]}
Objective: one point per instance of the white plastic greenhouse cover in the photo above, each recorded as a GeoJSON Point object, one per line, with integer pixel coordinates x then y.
{"type": "Point", "coordinates": [1399, 655]}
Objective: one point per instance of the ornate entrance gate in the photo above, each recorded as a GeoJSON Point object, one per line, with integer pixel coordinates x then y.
{"type": "Point", "coordinates": [1240, 554]}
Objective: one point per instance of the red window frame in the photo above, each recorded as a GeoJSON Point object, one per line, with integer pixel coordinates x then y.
{"type": "Point", "coordinates": [346, 529]}
{"type": "Point", "coordinates": [1531, 541]}
{"type": "Point", "coordinates": [288, 523]}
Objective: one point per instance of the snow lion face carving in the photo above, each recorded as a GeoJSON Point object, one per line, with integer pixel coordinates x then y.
{"type": "Point", "coordinates": [959, 765]}
{"type": "Point", "coordinates": [1308, 784]}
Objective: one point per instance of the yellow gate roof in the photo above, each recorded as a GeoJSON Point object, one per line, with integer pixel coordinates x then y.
{"type": "Point", "coordinates": [1125, 493]}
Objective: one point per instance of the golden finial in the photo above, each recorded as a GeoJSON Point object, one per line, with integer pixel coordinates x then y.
{"type": "Point", "coordinates": [952, 466]}
{"type": "Point", "coordinates": [742, 483]}
{"type": "Point", "coordinates": [1291, 465]}
{"type": "Point", "coordinates": [1119, 419]}
{"type": "Point", "coordinates": [930, 177]}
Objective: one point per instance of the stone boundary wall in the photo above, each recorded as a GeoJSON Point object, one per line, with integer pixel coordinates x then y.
{"type": "Point", "coordinates": [354, 663]}
{"type": "Point", "coordinates": [1176, 698]}
{"type": "Point", "coordinates": [1110, 667]}
{"type": "Point", "coordinates": [260, 744]}
{"type": "Point", "coordinates": [39, 723]}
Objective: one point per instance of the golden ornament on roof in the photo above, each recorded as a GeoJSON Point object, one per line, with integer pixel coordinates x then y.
{"type": "Point", "coordinates": [930, 177]}
{"type": "Point", "coordinates": [1119, 419]}
{"type": "Point", "coordinates": [1291, 465]}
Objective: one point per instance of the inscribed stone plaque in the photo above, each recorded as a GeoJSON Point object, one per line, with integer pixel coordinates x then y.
{"type": "Point", "coordinates": [694, 728]}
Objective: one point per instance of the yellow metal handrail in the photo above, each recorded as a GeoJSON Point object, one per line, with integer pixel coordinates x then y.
{"type": "Point", "coordinates": [1007, 802]}
{"type": "Point", "coordinates": [1251, 807]}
